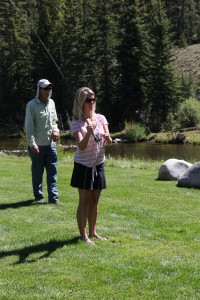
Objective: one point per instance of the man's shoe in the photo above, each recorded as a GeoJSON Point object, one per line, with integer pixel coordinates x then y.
{"type": "Point", "coordinates": [54, 202]}
{"type": "Point", "coordinates": [39, 201]}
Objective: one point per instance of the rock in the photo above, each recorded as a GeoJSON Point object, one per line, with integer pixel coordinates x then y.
{"type": "Point", "coordinates": [180, 138]}
{"type": "Point", "coordinates": [191, 178]}
{"type": "Point", "coordinates": [68, 147]}
{"type": "Point", "coordinates": [118, 141]}
{"type": "Point", "coordinates": [173, 169]}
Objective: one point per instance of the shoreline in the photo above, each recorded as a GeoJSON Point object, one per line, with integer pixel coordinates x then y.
{"type": "Point", "coordinates": [181, 136]}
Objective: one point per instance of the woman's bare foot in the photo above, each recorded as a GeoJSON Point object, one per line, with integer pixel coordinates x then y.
{"type": "Point", "coordinates": [99, 237]}
{"type": "Point", "coordinates": [87, 240]}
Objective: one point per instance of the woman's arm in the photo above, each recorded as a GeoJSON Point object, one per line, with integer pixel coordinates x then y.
{"type": "Point", "coordinates": [81, 141]}
{"type": "Point", "coordinates": [107, 136]}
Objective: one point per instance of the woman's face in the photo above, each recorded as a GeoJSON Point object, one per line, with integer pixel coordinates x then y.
{"type": "Point", "coordinates": [89, 104]}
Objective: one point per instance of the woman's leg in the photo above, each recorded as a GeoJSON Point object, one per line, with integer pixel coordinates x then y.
{"type": "Point", "coordinates": [92, 214]}
{"type": "Point", "coordinates": [82, 213]}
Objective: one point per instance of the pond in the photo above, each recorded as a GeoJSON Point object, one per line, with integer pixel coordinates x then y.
{"type": "Point", "coordinates": [146, 151]}
{"type": "Point", "coordinates": [155, 151]}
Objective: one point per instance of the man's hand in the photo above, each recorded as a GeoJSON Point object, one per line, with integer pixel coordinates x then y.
{"type": "Point", "coordinates": [35, 149]}
{"type": "Point", "coordinates": [55, 136]}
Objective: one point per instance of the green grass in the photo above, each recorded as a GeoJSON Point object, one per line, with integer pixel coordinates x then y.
{"type": "Point", "coordinates": [153, 251]}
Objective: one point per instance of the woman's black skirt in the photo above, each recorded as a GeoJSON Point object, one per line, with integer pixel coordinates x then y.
{"type": "Point", "coordinates": [88, 178]}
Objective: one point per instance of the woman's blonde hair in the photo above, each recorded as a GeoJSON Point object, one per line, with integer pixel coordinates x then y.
{"type": "Point", "coordinates": [79, 99]}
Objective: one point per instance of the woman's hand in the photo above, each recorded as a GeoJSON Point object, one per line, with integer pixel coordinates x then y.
{"type": "Point", "coordinates": [82, 142]}
{"type": "Point", "coordinates": [89, 126]}
{"type": "Point", "coordinates": [89, 129]}
{"type": "Point", "coordinates": [107, 138]}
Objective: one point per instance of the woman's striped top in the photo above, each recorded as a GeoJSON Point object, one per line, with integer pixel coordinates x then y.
{"type": "Point", "coordinates": [94, 154]}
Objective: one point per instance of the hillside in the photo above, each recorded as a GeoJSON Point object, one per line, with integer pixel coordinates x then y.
{"type": "Point", "coordinates": [187, 61]}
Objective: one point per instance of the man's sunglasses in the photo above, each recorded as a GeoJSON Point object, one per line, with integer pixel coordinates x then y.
{"type": "Point", "coordinates": [89, 100]}
{"type": "Point", "coordinates": [48, 88]}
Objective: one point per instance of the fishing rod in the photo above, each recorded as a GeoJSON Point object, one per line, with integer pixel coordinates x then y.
{"type": "Point", "coordinates": [96, 136]}
{"type": "Point", "coordinates": [40, 40]}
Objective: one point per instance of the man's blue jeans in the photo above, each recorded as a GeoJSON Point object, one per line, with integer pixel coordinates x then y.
{"type": "Point", "coordinates": [46, 159]}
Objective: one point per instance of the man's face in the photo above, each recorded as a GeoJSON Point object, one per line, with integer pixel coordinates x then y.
{"type": "Point", "coordinates": [45, 93]}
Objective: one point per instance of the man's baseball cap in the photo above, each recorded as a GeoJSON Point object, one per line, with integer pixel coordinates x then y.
{"type": "Point", "coordinates": [43, 83]}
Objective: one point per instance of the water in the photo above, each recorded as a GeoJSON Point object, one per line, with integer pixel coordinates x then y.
{"type": "Point", "coordinates": [12, 143]}
{"type": "Point", "coordinates": [9, 144]}
{"type": "Point", "coordinates": [154, 151]}
{"type": "Point", "coordinates": [146, 151]}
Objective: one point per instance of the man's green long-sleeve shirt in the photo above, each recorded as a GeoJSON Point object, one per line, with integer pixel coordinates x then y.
{"type": "Point", "coordinates": [40, 121]}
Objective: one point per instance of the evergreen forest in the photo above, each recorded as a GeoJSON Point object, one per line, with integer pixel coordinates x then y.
{"type": "Point", "coordinates": [122, 49]}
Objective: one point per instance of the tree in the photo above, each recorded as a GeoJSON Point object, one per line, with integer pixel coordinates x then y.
{"type": "Point", "coordinates": [132, 60]}
{"type": "Point", "coordinates": [15, 59]}
{"type": "Point", "coordinates": [162, 84]}
{"type": "Point", "coordinates": [120, 48]}
{"type": "Point", "coordinates": [90, 50]}
{"type": "Point", "coordinates": [48, 46]}
{"type": "Point", "coordinates": [103, 56]}
{"type": "Point", "coordinates": [184, 18]}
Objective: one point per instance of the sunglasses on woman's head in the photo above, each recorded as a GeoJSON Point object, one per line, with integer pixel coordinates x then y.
{"type": "Point", "coordinates": [89, 100]}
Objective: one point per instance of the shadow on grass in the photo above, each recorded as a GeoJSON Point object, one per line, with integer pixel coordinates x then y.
{"type": "Point", "coordinates": [49, 248]}
{"type": "Point", "coordinates": [16, 204]}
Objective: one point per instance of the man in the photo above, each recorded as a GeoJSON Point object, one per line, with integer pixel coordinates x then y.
{"type": "Point", "coordinates": [42, 132]}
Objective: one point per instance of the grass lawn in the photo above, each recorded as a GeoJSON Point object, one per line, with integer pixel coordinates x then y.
{"type": "Point", "coordinates": [153, 227]}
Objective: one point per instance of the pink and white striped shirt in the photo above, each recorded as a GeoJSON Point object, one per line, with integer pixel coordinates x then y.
{"type": "Point", "coordinates": [94, 154]}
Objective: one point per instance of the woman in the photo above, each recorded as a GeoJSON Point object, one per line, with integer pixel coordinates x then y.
{"type": "Point", "coordinates": [91, 133]}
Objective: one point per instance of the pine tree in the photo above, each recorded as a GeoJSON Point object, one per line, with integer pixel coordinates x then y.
{"type": "Point", "coordinates": [184, 18]}
{"type": "Point", "coordinates": [120, 48]}
{"type": "Point", "coordinates": [74, 47]}
{"type": "Point", "coordinates": [15, 60]}
{"type": "Point", "coordinates": [132, 60]}
{"type": "Point", "coordinates": [102, 55]}
{"type": "Point", "coordinates": [162, 84]}
{"type": "Point", "coordinates": [89, 47]}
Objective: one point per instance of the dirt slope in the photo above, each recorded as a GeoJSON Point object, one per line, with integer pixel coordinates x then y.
{"type": "Point", "coordinates": [187, 61]}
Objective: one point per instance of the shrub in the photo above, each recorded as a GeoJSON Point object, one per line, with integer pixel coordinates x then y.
{"type": "Point", "coordinates": [22, 145]}
{"type": "Point", "coordinates": [170, 124]}
{"type": "Point", "coordinates": [188, 114]}
{"type": "Point", "coordinates": [134, 131]}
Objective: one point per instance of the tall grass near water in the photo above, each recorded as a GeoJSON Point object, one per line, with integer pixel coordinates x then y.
{"type": "Point", "coordinates": [152, 227]}
{"type": "Point", "coordinates": [134, 132]}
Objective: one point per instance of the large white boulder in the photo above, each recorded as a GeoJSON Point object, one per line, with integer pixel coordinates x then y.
{"type": "Point", "coordinates": [191, 178]}
{"type": "Point", "coordinates": [173, 169]}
